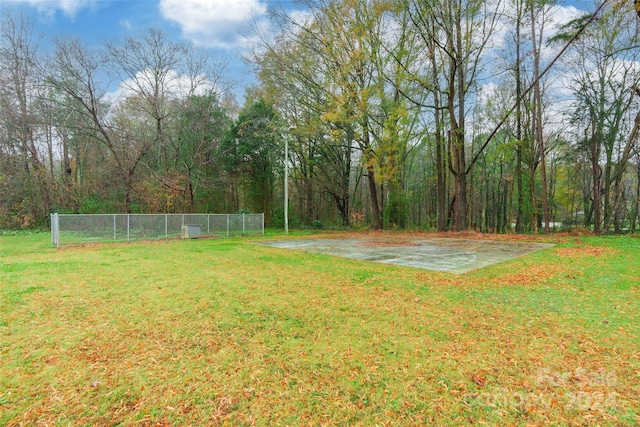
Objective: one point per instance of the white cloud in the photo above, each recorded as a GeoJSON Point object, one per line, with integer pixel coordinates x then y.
{"type": "Point", "coordinates": [488, 92]}
{"type": "Point", "coordinates": [301, 17]}
{"type": "Point", "coordinates": [214, 23]}
{"type": "Point", "coordinates": [554, 18]}
{"type": "Point", "coordinates": [49, 8]}
{"type": "Point", "coordinates": [126, 24]}
{"type": "Point", "coordinates": [559, 16]}
{"type": "Point", "coordinates": [176, 86]}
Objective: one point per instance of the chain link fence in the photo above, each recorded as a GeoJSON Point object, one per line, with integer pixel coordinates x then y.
{"type": "Point", "coordinates": [85, 228]}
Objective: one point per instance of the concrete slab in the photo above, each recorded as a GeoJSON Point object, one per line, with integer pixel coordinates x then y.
{"type": "Point", "coordinates": [440, 254]}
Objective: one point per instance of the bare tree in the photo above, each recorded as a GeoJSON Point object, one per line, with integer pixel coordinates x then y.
{"type": "Point", "coordinates": [75, 73]}
{"type": "Point", "coordinates": [146, 67]}
{"type": "Point", "coordinates": [24, 146]}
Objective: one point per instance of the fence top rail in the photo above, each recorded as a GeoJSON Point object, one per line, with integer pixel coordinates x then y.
{"type": "Point", "coordinates": [159, 214]}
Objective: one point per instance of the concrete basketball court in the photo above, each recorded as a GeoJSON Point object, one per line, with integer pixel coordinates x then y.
{"type": "Point", "coordinates": [452, 255]}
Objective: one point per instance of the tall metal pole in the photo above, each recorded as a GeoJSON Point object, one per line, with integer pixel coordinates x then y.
{"type": "Point", "coordinates": [286, 184]}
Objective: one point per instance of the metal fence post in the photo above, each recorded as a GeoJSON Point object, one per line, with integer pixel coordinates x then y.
{"type": "Point", "coordinates": [262, 223]}
{"type": "Point", "coordinates": [166, 225]}
{"type": "Point", "coordinates": [55, 230]}
{"type": "Point", "coordinates": [115, 227]}
{"type": "Point", "coordinates": [128, 227]}
{"type": "Point", "coordinates": [227, 225]}
{"type": "Point", "coordinates": [243, 223]}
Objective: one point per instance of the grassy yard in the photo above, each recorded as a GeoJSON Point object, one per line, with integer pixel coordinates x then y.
{"type": "Point", "coordinates": [224, 332]}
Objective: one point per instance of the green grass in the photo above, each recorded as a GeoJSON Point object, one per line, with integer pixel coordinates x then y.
{"type": "Point", "coordinates": [224, 332]}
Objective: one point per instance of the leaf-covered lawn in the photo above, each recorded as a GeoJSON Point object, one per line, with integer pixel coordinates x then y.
{"type": "Point", "coordinates": [209, 332]}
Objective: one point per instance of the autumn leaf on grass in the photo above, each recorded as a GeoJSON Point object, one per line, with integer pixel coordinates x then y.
{"type": "Point", "coordinates": [479, 379]}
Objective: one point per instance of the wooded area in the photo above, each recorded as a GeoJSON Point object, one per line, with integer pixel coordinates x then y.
{"type": "Point", "coordinates": [448, 114]}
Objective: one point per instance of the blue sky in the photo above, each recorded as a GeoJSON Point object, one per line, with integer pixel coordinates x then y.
{"type": "Point", "coordinates": [220, 26]}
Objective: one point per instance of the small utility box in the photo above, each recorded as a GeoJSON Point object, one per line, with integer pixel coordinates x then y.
{"type": "Point", "coordinates": [191, 231]}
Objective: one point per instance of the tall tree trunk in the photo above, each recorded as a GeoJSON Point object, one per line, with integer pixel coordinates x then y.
{"type": "Point", "coordinates": [346, 181]}
{"type": "Point", "coordinates": [456, 117]}
{"type": "Point", "coordinates": [506, 224]}
{"type": "Point", "coordinates": [459, 136]}
{"type": "Point", "coordinates": [441, 177]}
{"type": "Point", "coordinates": [191, 191]}
{"type": "Point", "coordinates": [441, 167]}
{"type": "Point", "coordinates": [371, 180]}
{"type": "Point", "coordinates": [128, 189]}
{"type": "Point", "coordinates": [636, 210]}
{"type": "Point", "coordinates": [596, 171]}
{"type": "Point", "coordinates": [519, 184]}
{"type": "Point", "coordinates": [537, 122]}
{"type": "Point", "coordinates": [608, 211]}
{"type": "Point", "coordinates": [375, 206]}
{"type": "Point", "coordinates": [309, 189]}
{"type": "Point", "coordinates": [532, 192]}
